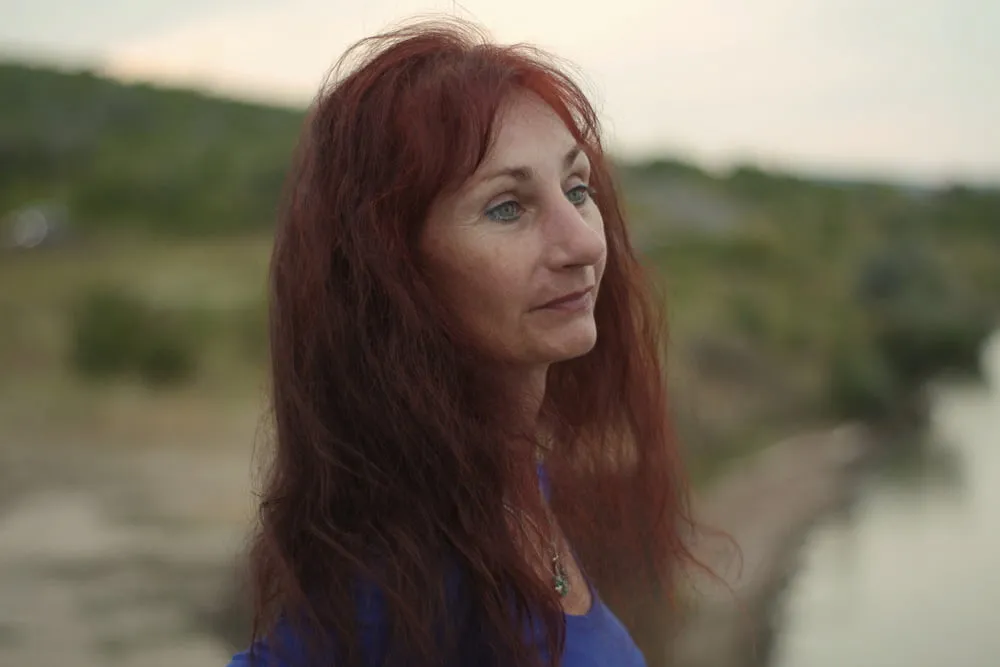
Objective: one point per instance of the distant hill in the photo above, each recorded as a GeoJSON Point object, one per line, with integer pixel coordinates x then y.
{"type": "Point", "coordinates": [137, 156]}
{"type": "Point", "coordinates": [140, 157]}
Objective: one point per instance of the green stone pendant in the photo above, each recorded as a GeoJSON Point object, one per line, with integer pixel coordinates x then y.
{"type": "Point", "coordinates": [559, 578]}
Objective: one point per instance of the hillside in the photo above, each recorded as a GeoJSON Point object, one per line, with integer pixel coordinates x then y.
{"type": "Point", "coordinates": [791, 300]}
{"type": "Point", "coordinates": [134, 156]}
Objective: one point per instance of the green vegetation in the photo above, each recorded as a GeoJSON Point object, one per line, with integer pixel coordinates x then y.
{"type": "Point", "coordinates": [792, 301]}
{"type": "Point", "coordinates": [114, 333]}
{"type": "Point", "coordinates": [130, 158]}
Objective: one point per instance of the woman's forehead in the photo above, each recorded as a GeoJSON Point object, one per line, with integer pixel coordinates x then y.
{"type": "Point", "coordinates": [526, 122]}
{"type": "Point", "coordinates": [529, 139]}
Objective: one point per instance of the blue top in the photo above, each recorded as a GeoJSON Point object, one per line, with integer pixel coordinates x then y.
{"type": "Point", "coordinates": [594, 639]}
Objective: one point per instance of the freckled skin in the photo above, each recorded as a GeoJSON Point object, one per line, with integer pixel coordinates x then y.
{"type": "Point", "coordinates": [502, 246]}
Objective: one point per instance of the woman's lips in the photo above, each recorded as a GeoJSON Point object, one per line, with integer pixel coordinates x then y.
{"type": "Point", "coordinates": [572, 302]}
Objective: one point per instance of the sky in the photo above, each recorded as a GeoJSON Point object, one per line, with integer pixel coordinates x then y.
{"type": "Point", "coordinates": [904, 89]}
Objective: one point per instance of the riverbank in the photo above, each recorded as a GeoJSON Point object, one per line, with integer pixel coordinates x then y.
{"type": "Point", "coordinates": [766, 506]}
{"type": "Point", "coordinates": [122, 555]}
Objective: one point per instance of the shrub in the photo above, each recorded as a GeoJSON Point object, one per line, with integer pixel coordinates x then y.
{"type": "Point", "coordinates": [168, 354]}
{"type": "Point", "coordinates": [921, 340]}
{"type": "Point", "coordinates": [861, 385]}
{"type": "Point", "coordinates": [107, 327]}
{"type": "Point", "coordinates": [920, 322]}
{"type": "Point", "coordinates": [114, 333]}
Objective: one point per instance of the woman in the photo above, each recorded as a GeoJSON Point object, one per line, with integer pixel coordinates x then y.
{"type": "Point", "coordinates": [467, 387]}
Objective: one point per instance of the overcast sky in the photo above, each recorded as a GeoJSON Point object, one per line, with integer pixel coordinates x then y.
{"type": "Point", "coordinates": [906, 88]}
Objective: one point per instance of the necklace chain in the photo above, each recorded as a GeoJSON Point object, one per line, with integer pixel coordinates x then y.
{"type": "Point", "coordinates": [560, 578]}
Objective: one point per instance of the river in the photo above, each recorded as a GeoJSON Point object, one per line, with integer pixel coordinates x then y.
{"type": "Point", "coordinates": [909, 574]}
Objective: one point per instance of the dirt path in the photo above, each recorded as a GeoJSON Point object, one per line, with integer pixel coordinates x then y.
{"type": "Point", "coordinates": [113, 557]}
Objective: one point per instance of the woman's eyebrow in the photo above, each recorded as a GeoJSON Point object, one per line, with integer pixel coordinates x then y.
{"type": "Point", "coordinates": [525, 173]}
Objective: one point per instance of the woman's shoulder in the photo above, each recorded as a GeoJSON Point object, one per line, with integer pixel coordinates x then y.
{"type": "Point", "coordinates": [287, 645]}
{"type": "Point", "coordinates": [260, 655]}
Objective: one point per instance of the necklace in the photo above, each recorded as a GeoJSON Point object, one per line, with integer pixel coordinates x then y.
{"type": "Point", "coordinates": [560, 579]}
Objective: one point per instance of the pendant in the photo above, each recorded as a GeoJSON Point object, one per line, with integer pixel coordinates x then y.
{"type": "Point", "coordinates": [560, 580]}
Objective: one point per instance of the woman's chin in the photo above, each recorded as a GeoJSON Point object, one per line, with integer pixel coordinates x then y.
{"type": "Point", "coordinates": [570, 343]}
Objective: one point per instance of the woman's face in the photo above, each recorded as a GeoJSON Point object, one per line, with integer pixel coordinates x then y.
{"type": "Point", "coordinates": [519, 250]}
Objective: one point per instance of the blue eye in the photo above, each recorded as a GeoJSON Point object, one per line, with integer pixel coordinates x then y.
{"type": "Point", "coordinates": [508, 211]}
{"type": "Point", "coordinates": [579, 195]}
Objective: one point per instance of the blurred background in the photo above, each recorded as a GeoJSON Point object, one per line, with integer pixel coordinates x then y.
{"type": "Point", "coordinates": [815, 184]}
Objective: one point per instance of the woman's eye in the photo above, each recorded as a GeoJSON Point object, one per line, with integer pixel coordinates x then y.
{"type": "Point", "coordinates": [508, 211]}
{"type": "Point", "coordinates": [579, 195]}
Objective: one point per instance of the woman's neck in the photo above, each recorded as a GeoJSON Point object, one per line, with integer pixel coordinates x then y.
{"type": "Point", "coordinates": [527, 389]}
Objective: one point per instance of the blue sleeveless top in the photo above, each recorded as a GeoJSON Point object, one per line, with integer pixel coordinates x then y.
{"type": "Point", "coordinates": [594, 639]}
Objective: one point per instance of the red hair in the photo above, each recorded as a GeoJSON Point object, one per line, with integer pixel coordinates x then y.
{"type": "Point", "coordinates": [393, 451]}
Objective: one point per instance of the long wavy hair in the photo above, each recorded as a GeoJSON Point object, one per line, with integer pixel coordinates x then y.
{"type": "Point", "coordinates": [394, 447]}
